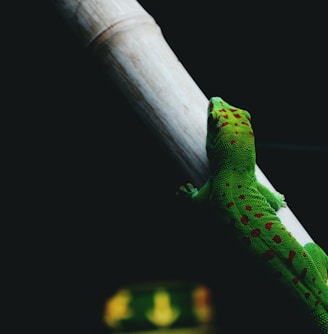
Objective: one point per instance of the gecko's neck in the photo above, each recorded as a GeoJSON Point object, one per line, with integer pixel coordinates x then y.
{"type": "Point", "coordinates": [231, 169]}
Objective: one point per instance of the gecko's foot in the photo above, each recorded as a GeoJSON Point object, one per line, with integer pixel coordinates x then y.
{"type": "Point", "coordinates": [187, 191]}
{"type": "Point", "coordinates": [280, 199]}
{"type": "Point", "coordinates": [277, 200]}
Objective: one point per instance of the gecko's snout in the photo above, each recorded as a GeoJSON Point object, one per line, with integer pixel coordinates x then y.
{"type": "Point", "coordinates": [214, 103]}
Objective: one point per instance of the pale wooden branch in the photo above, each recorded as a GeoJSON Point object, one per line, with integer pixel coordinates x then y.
{"type": "Point", "coordinates": [130, 45]}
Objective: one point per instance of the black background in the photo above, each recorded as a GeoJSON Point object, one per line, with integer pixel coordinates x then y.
{"type": "Point", "coordinates": [98, 190]}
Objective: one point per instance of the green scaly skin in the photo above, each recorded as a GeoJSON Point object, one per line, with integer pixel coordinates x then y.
{"type": "Point", "coordinates": [239, 200]}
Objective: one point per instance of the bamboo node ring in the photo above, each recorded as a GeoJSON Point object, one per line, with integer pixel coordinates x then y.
{"type": "Point", "coordinates": [120, 26]}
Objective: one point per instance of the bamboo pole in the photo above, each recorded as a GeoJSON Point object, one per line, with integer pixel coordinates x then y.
{"type": "Point", "coordinates": [129, 44]}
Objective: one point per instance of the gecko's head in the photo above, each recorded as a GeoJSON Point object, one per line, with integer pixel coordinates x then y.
{"type": "Point", "coordinates": [227, 126]}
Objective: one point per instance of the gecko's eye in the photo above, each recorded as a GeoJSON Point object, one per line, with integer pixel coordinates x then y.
{"type": "Point", "coordinates": [211, 117]}
{"type": "Point", "coordinates": [212, 121]}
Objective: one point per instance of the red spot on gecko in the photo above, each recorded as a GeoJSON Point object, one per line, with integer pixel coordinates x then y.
{"type": "Point", "coordinates": [268, 255]}
{"type": "Point", "coordinates": [233, 142]}
{"type": "Point", "coordinates": [277, 239]}
{"type": "Point", "coordinates": [291, 257]}
{"type": "Point", "coordinates": [268, 225]}
{"type": "Point", "coordinates": [211, 105]}
{"type": "Point", "coordinates": [258, 215]}
{"type": "Point", "coordinates": [295, 280]}
{"type": "Point", "coordinates": [251, 133]}
{"type": "Point", "coordinates": [303, 273]}
{"type": "Point", "coordinates": [236, 132]}
{"type": "Point", "coordinates": [230, 204]}
{"type": "Point", "coordinates": [307, 295]}
{"type": "Point", "coordinates": [256, 232]}
{"type": "Point", "coordinates": [223, 124]}
{"type": "Point", "coordinates": [237, 115]}
{"type": "Point", "coordinates": [317, 302]}
{"type": "Point", "coordinates": [248, 208]}
{"type": "Point", "coordinates": [233, 110]}
{"type": "Point", "coordinates": [227, 184]}
{"type": "Point", "coordinates": [304, 254]}
{"type": "Point", "coordinates": [245, 123]}
{"type": "Point", "coordinates": [244, 220]}
{"type": "Point", "coordinates": [242, 197]}
{"type": "Point", "coordinates": [239, 186]}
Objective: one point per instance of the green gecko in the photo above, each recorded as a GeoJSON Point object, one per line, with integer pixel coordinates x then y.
{"type": "Point", "coordinates": [238, 200]}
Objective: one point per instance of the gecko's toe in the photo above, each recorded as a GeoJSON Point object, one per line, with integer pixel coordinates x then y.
{"type": "Point", "coordinates": [187, 190]}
